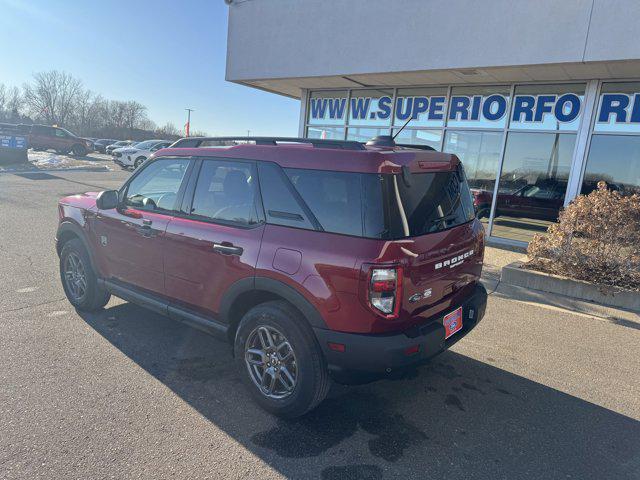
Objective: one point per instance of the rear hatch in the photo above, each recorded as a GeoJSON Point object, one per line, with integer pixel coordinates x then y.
{"type": "Point", "coordinates": [428, 216]}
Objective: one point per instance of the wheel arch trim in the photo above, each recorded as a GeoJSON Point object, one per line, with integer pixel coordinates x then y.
{"type": "Point", "coordinates": [276, 287]}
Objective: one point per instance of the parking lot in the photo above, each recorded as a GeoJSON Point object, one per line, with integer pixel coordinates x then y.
{"type": "Point", "coordinates": [532, 392]}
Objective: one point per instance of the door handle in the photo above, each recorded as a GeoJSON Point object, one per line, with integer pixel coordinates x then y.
{"type": "Point", "coordinates": [226, 248]}
{"type": "Point", "coordinates": [145, 229]}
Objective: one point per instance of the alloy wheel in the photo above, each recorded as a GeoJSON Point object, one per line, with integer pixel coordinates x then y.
{"type": "Point", "coordinates": [75, 276]}
{"type": "Point", "coordinates": [271, 362]}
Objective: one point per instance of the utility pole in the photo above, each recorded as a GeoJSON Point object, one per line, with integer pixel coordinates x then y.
{"type": "Point", "coordinates": [248, 133]}
{"type": "Point", "coordinates": [189, 110]}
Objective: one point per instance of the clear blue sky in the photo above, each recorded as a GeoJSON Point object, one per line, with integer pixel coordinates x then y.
{"type": "Point", "coordinates": [168, 55]}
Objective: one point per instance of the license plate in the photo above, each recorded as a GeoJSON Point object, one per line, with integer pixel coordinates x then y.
{"type": "Point", "coordinates": [452, 322]}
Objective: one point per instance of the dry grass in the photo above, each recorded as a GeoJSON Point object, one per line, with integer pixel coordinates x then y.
{"type": "Point", "coordinates": [597, 239]}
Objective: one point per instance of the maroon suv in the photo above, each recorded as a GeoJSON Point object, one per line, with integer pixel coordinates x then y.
{"type": "Point", "coordinates": [313, 258]}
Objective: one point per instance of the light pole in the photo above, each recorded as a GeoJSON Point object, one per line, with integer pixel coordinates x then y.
{"type": "Point", "coordinates": [189, 110]}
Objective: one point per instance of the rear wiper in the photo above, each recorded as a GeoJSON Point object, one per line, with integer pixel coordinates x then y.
{"type": "Point", "coordinates": [451, 216]}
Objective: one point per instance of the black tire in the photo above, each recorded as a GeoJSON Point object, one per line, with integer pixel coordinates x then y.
{"type": "Point", "coordinates": [79, 150]}
{"type": "Point", "coordinates": [312, 379]}
{"type": "Point", "coordinates": [139, 161]}
{"type": "Point", "coordinates": [483, 212]}
{"type": "Point", "coordinates": [94, 297]}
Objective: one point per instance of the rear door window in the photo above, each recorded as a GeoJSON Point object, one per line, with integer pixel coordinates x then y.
{"type": "Point", "coordinates": [226, 192]}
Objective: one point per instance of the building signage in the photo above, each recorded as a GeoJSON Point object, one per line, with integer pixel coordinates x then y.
{"type": "Point", "coordinates": [619, 108]}
{"type": "Point", "coordinates": [564, 108]}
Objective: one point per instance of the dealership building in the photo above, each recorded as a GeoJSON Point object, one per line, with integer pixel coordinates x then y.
{"type": "Point", "coordinates": [539, 99]}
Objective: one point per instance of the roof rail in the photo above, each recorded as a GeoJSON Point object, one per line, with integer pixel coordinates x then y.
{"type": "Point", "coordinates": [418, 147]}
{"type": "Point", "coordinates": [195, 142]}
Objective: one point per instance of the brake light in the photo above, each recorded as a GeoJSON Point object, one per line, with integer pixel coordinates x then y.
{"type": "Point", "coordinates": [385, 290]}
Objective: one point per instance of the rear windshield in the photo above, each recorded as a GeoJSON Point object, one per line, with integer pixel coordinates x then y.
{"type": "Point", "coordinates": [367, 205]}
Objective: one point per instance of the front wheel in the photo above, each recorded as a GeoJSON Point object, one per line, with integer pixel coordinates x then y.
{"type": "Point", "coordinates": [280, 360]}
{"type": "Point", "coordinates": [139, 161]}
{"type": "Point", "coordinates": [79, 280]}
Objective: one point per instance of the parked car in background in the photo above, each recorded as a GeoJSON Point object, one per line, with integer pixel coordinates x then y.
{"type": "Point", "coordinates": [341, 260]}
{"type": "Point", "coordinates": [102, 144]}
{"type": "Point", "coordinates": [136, 155]}
{"type": "Point", "coordinates": [122, 143]}
{"type": "Point", "coordinates": [45, 137]}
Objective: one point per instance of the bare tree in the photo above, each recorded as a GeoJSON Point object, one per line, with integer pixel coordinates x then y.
{"type": "Point", "coordinates": [168, 130]}
{"type": "Point", "coordinates": [87, 113]}
{"type": "Point", "coordinates": [11, 103]}
{"type": "Point", "coordinates": [53, 96]}
{"type": "Point", "coordinates": [134, 114]}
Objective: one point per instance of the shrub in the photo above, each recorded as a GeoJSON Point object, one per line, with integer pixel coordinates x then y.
{"type": "Point", "coordinates": [597, 239]}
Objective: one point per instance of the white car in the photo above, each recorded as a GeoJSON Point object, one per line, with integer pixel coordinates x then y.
{"type": "Point", "coordinates": [136, 155]}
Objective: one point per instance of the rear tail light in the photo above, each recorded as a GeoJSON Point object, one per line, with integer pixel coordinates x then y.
{"type": "Point", "coordinates": [385, 291]}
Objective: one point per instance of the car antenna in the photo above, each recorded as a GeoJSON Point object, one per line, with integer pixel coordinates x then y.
{"type": "Point", "coordinates": [402, 128]}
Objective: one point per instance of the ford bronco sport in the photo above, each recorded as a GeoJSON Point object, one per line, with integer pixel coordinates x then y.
{"type": "Point", "coordinates": [315, 259]}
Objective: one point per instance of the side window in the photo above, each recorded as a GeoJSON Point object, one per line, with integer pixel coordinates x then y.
{"type": "Point", "coordinates": [280, 204]}
{"type": "Point", "coordinates": [60, 133]}
{"type": "Point", "coordinates": [226, 191]}
{"type": "Point", "coordinates": [156, 186]}
{"type": "Point", "coordinates": [333, 197]}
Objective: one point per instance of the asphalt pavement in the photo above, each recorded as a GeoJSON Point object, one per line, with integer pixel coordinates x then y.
{"type": "Point", "coordinates": [534, 392]}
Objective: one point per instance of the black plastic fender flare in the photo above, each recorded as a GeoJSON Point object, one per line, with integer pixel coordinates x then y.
{"type": "Point", "coordinates": [276, 287]}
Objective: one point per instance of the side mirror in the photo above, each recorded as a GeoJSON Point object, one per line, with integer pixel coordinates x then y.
{"type": "Point", "coordinates": [107, 200]}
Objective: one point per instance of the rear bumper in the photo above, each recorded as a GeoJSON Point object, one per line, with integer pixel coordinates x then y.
{"type": "Point", "coordinates": [368, 357]}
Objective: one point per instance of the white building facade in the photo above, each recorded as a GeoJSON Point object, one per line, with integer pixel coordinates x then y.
{"type": "Point", "coordinates": [540, 100]}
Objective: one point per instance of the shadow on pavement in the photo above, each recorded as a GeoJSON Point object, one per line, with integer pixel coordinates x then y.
{"type": "Point", "coordinates": [455, 418]}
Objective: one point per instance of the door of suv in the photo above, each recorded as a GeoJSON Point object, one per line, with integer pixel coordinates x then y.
{"type": "Point", "coordinates": [217, 240]}
{"type": "Point", "coordinates": [130, 239]}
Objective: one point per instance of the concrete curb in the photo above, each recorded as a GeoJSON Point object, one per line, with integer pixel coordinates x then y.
{"type": "Point", "coordinates": [514, 275]}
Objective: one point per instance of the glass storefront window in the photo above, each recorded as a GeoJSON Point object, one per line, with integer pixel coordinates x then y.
{"type": "Point", "coordinates": [619, 108]}
{"type": "Point", "coordinates": [419, 137]}
{"type": "Point", "coordinates": [360, 134]}
{"type": "Point", "coordinates": [532, 184]}
{"type": "Point", "coordinates": [328, 107]}
{"type": "Point", "coordinates": [616, 160]}
{"type": "Point", "coordinates": [330, 133]}
{"type": "Point", "coordinates": [371, 107]}
{"type": "Point", "coordinates": [548, 107]}
{"type": "Point", "coordinates": [478, 107]}
{"type": "Point", "coordinates": [479, 152]}
{"type": "Point", "coordinates": [425, 107]}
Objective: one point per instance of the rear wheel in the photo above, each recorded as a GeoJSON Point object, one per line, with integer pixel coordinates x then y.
{"type": "Point", "coordinates": [280, 361]}
{"type": "Point", "coordinates": [79, 150]}
{"type": "Point", "coordinates": [79, 280]}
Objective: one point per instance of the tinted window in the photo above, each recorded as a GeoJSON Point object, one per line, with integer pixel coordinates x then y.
{"type": "Point", "coordinates": [334, 198]}
{"type": "Point", "coordinates": [616, 160]}
{"type": "Point", "coordinates": [430, 203]}
{"type": "Point", "coordinates": [157, 185]}
{"type": "Point", "coordinates": [60, 133]}
{"type": "Point", "coordinates": [225, 191]}
{"type": "Point", "coordinates": [278, 198]}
